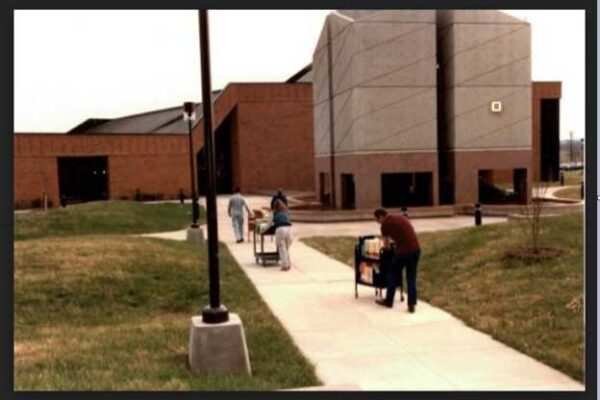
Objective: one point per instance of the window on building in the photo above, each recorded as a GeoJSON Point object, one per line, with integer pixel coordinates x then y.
{"type": "Point", "coordinates": [407, 189]}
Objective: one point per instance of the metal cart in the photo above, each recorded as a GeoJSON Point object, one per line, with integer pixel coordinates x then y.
{"type": "Point", "coordinates": [371, 271]}
{"type": "Point", "coordinates": [260, 255]}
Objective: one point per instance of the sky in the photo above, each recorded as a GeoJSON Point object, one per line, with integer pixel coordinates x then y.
{"type": "Point", "coordinates": [71, 65]}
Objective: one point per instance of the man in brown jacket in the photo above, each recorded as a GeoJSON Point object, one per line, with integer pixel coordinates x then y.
{"type": "Point", "coordinates": [400, 230]}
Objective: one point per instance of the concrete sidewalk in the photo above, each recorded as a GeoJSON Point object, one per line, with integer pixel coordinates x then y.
{"type": "Point", "coordinates": [355, 343]}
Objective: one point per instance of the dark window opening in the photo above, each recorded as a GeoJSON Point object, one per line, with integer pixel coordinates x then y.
{"type": "Point", "coordinates": [549, 138]}
{"type": "Point", "coordinates": [83, 179]}
{"type": "Point", "coordinates": [324, 189]}
{"type": "Point", "coordinates": [348, 192]}
{"type": "Point", "coordinates": [407, 189]}
{"type": "Point", "coordinates": [503, 186]}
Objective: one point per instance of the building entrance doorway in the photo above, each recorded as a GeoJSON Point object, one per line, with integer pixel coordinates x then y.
{"type": "Point", "coordinates": [348, 192]}
{"type": "Point", "coordinates": [324, 189]}
{"type": "Point", "coordinates": [549, 146]}
{"type": "Point", "coordinates": [409, 189]}
{"type": "Point", "coordinates": [83, 178]}
{"type": "Point", "coordinates": [503, 186]}
{"type": "Point", "coordinates": [223, 161]}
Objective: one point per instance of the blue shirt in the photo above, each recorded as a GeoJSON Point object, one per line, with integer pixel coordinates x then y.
{"type": "Point", "coordinates": [281, 218]}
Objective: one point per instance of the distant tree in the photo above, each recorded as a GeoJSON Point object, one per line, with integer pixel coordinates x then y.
{"type": "Point", "coordinates": [532, 212]}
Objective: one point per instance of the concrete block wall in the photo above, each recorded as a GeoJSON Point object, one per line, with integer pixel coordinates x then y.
{"type": "Point", "coordinates": [384, 97]}
{"type": "Point", "coordinates": [485, 56]}
{"type": "Point", "coordinates": [384, 82]}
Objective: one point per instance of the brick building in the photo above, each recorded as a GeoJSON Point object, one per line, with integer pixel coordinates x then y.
{"type": "Point", "coordinates": [407, 107]}
{"type": "Point", "coordinates": [263, 141]}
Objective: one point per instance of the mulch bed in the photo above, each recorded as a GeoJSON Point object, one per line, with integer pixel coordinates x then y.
{"type": "Point", "coordinates": [529, 255]}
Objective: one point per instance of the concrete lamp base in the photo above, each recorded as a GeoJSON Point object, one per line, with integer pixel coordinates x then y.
{"type": "Point", "coordinates": [218, 347]}
{"type": "Point", "coordinates": [195, 235]}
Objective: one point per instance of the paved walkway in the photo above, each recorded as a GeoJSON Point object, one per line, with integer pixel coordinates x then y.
{"type": "Point", "coordinates": [356, 344]}
{"type": "Point", "coordinates": [550, 192]}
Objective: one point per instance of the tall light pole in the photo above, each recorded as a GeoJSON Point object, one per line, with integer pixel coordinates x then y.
{"type": "Point", "coordinates": [215, 312]}
{"type": "Point", "coordinates": [190, 116]}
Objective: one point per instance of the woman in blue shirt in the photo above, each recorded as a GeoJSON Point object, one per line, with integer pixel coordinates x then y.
{"type": "Point", "coordinates": [283, 234]}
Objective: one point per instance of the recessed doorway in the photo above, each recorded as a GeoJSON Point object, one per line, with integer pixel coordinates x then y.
{"type": "Point", "coordinates": [83, 179]}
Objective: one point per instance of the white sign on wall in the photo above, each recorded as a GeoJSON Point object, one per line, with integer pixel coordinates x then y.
{"type": "Point", "coordinates": [496, 106]}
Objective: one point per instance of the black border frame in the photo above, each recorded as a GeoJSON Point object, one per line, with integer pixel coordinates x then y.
{"type": "Point", "coordinates": [6, 192]}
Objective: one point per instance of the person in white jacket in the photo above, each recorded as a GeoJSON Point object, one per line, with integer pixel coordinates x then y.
{"type": "Point", "coordinates": [235, 210]}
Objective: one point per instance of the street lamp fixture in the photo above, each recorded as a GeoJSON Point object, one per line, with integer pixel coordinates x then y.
{"type": "Point", "coordinates": [189, 115]}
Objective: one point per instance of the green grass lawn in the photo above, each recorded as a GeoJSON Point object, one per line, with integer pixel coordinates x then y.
{"type": "Point", "coordinates": [535, 308]}
{"type": "Point", "coordinates": [103, 217]}
{"type": "Point", "coordinates": [112, 312]}
{"type": "Point", "coordinates": [573, 177]}
{"type": "Point", "coordinates": [573, 192]}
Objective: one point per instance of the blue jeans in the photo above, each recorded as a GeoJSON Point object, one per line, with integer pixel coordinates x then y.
{"type": "Point", "coordinates": [410, 261]}
{"type": "Point", "coordinates": [238, 226]}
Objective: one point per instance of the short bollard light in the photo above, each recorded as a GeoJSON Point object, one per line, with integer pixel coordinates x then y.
{"type": "Point", "coordinates": [477, 214]}
{"type": "Point", "coordinates": [181, 196]}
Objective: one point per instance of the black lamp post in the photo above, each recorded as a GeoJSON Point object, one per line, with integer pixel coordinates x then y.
{"type": "Point", "coordinates": [215, 312]}
{"type": "Point", "coordinates": [189, 115]}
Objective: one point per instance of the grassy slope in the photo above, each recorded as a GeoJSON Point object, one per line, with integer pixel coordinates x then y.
{"type": "Point", "coordinates": [113, 313]}
{"type": "Point", "coordinates": [103, 217]}
{"type": "Point", "coordinates": [536, 309]}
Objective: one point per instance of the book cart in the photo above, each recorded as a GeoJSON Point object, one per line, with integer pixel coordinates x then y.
{"type": "Point", "coordinates": [371, 265]}
{"type": "Point", "coordinates": [258, 242]}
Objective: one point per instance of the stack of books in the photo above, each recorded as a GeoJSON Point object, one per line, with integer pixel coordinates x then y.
{"type": "Point", "coordinates": [371, 248]}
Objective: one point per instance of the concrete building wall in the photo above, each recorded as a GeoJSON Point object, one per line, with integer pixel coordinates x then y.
{"type": "Point", "coordinates": [384, 82]}
{"type": "Point", "coordinates": [484, 56]}
{"type": "Point", "coordinates": [487, 57]}
{"type": "Point", "coordinates": [367, 170]}
{"type": "Point", "coordinates": [383, 72]}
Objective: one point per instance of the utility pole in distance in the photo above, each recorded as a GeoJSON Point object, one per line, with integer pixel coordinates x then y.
{"type": "Point", "coordinates": [331, 119]}
{"type": "Point", "coordinates": [571, 147]}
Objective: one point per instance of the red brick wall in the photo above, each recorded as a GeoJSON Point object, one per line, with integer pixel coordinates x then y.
{"type": "Point", "coordinates": [162, 174]}
{"type": "Point", "coordinates": [279, 139]}
{"type": "Point", "coordinates": [272, 147]}
{"type": "Point", "coordinates": [152, 163]}
{"type": "Point", "coordinates": [272, 135]}
{"type": "Point", "coordinates": [31, 176]}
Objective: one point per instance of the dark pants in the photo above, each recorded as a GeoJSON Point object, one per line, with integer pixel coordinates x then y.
{"type": "Point", "coordinates": [410, 261]}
